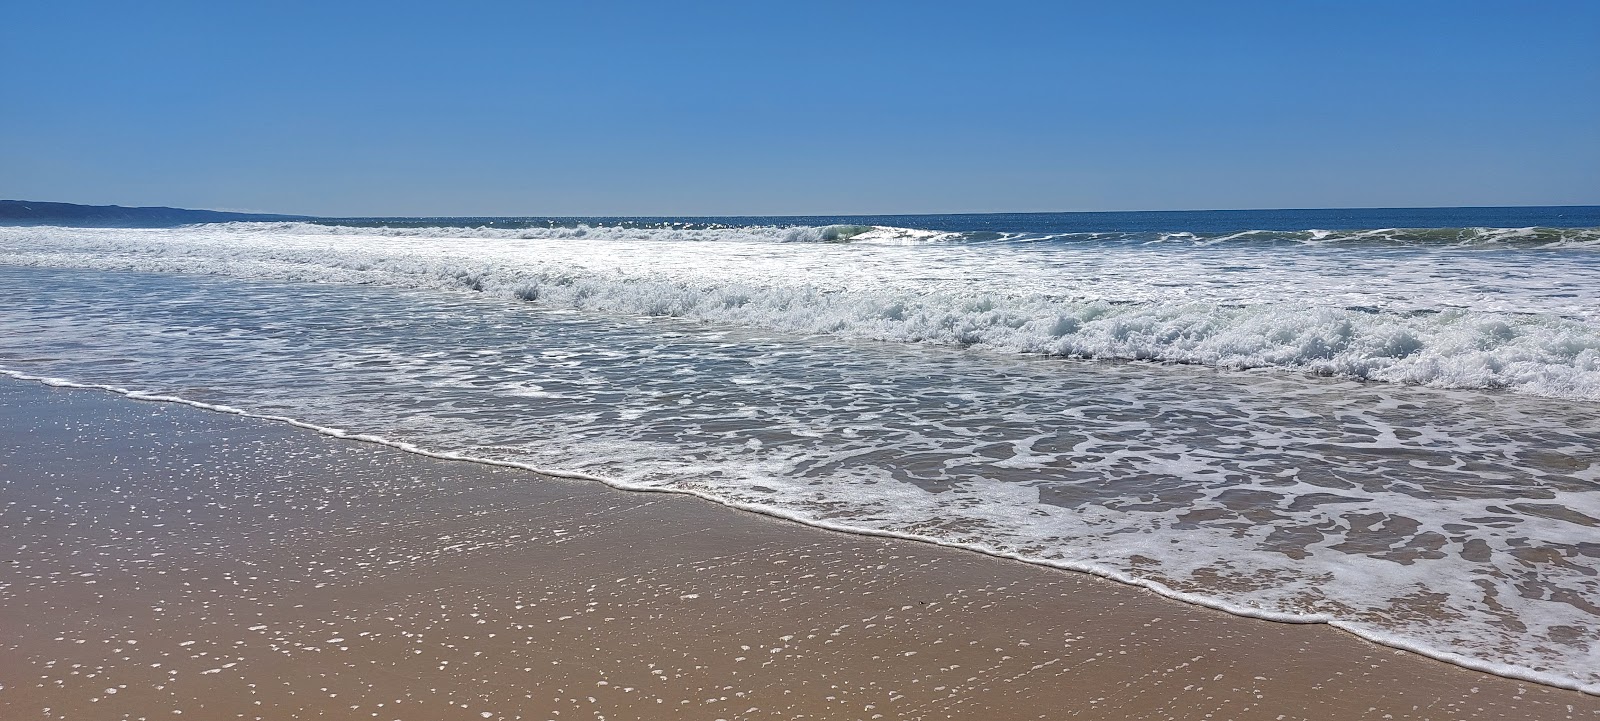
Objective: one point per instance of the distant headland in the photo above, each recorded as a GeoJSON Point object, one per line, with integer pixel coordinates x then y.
{"type": "Point", "coordinates": [29, 211]}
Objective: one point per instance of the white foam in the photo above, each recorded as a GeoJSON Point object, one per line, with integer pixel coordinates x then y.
{"type": "Point", "coordinates": [535, 385]}
{"type": "Point", "coordinates": [1356, 628]}
{"type": "Point", "coordinates": [663, 231]}
{"type": "Point", "coordinates": [1527, 321]}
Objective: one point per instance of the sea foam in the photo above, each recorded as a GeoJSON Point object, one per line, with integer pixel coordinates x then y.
{"type": "Point", "coordinates": [1455, 523]}
{"type": "Point", "coordinates": [1526, 320]}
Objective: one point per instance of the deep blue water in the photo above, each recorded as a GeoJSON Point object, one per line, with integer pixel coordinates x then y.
{"type": "Point", "coordinates": [1157, 221]}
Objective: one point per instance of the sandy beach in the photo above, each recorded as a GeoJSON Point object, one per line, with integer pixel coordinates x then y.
{"type": "Point", "coordinates": [162, 560]}
{"type": "Point", "coordinates": [855, 361]}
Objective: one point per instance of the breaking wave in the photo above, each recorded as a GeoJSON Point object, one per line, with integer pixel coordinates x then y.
{"type": "Point", "coordinates": [1529, 237]}
{"type": "Point", "coordinates": [1010, 300]}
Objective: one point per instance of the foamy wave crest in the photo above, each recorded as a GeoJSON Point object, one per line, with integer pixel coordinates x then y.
{"type": "Point", "coordinates": [663, 231]}
{"type": "Point", "coordinates": [1456, 349]}
{"type": "Point", "coordinates": [1531, 237]}
{"type": "Point", "coordinates": [1001, 303]}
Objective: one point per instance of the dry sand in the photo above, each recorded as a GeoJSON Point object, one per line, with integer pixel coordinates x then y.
{"type": "Point", "coordinates": [157, 559]}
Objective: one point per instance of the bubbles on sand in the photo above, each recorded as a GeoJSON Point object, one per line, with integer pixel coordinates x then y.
{"type": "Point", "coordinates": [1454, 522]}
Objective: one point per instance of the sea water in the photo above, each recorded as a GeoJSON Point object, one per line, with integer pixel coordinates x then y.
{"type": "Point", "coordinates": [1383, 420]}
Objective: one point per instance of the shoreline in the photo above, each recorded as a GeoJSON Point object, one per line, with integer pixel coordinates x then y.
{"type": "Point", "coordinates": [1487, 667]}
{"type": "Point", "coordinates": [1077, 623]}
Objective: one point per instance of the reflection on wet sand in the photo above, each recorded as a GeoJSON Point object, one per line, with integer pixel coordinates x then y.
{"type": "Point", "coordinates": [1454, 522]}
{"type": "Point", "coordinates": [161, 560]}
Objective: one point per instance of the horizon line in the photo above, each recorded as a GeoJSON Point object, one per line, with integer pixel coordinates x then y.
{"type": "Point", "coordinates": [798, 215]}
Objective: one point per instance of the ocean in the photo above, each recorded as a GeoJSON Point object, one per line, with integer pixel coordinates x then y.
{"type": "Point", "coordinates": [1384, 420]}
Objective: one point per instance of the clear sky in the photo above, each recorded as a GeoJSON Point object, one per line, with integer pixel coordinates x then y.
{"type": "Point", "coordinates": [586, 108]}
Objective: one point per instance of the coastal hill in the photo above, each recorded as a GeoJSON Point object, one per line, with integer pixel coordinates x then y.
{"type": "Point", "coordinates": [28, 212]}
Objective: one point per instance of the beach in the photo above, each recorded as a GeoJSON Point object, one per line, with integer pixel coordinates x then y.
{"type": "Point", "coordinates": [867, 361]}
{"type": "Point", "coordinates": [166, 560]}
{"type": "Point", "coordinates": [1388, 430]}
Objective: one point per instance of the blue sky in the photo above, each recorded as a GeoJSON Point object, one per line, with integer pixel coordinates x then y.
{"type": "Point", "coordinates": [400, 108]}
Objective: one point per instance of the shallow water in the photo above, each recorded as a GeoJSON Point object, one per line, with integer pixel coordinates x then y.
{"type": "Point", "coordinates": [1452, 521]}
{"type": "Point", "coordinates": [1419, 307]}
{"type": "Point", "coordinates": [164, 561]}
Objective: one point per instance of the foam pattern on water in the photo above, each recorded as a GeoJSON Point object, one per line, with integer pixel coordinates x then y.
{"type": "Point", "coordinates": [1487, 315]}
{"type": "Point", "coordinates": [1457, 523]}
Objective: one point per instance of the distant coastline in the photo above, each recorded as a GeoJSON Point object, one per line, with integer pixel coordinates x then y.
{"type": "Point", "coordinates": [30, 211]}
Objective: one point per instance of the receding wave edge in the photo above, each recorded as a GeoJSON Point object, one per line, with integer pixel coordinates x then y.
{"type": "Point", "coordinates": [1383, 638]}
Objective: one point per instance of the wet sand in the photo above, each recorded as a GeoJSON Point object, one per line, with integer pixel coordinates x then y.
{"type": "Point", "coordinates": [160, 560]}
